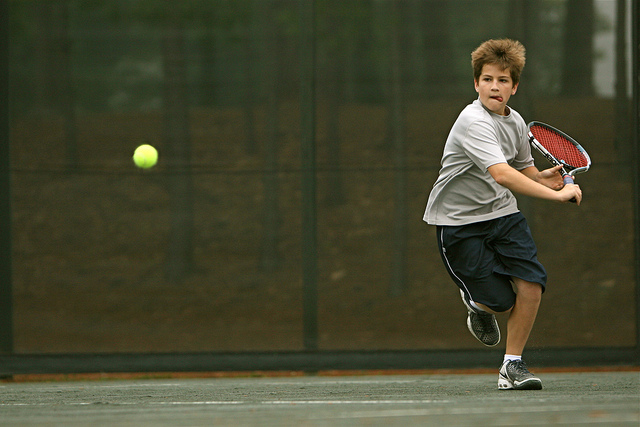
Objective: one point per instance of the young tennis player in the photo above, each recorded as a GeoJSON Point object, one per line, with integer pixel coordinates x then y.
{"type": "Point", "coordinates": [484, 240]}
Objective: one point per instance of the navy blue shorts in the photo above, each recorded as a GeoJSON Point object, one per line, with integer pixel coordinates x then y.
{"type": "Point", "coordinates": [482, 257]}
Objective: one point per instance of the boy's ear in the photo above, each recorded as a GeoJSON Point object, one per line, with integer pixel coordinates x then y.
{"type": "Point", "coordinates": [475, 84]}
{"type": "Point", "coordinates": [515, 88]}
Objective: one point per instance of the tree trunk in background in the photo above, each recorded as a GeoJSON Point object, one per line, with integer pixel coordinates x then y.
{"type": "Point", "coordinates": [398, 144]}
{"type": "Point", "coordinates": [178, 150]}
{"type": "Point", "coordinates": [332, 97]}
{"type": "Point", "coordinates": [55, 79]}
{"type": "Point", "coordinates": [577, 70]}
{"type": "Point", "coordinates": [623, 144]}
{"type": "Point", "coordinates": [435, 28]}
{"type": "Point", "coordinates": [268, 63]}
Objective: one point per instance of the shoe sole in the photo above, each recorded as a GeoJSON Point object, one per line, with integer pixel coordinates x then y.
{"type": "Point", "coordinates": [505, 383]}
{"type": "Point", "coordinates": [469, 310]}
{"type": "Point", "coordinates": [476, 337]}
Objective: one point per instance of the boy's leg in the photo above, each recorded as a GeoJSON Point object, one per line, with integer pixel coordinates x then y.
{"type": "Point", "coordinates": [513, 372]}
{"type": "Point", "coordinates": [470, 259]}
{"type": "Point", "coordinates": [523, 315]}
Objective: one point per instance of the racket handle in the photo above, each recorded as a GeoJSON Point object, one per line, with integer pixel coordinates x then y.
{"type": "Point", "coordinates": [568, 179]}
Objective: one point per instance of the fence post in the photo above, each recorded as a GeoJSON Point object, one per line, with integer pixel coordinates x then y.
{"type": "Point", "coordinates": [308, 164]}
{"type": "Point", "coordinates": [6, 291]}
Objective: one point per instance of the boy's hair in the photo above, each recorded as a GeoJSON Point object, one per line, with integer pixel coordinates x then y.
{"type": "Point", "coordinates": [505, 53]}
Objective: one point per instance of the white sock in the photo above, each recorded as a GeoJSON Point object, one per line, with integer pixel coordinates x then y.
{"type": "Point", "coordinates": [511, 357]}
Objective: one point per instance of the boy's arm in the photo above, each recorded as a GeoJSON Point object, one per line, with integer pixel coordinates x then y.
{"type": "Point", "coordinates": [525, 182]}
{"type": "Point", "coordinates": [549, 177]}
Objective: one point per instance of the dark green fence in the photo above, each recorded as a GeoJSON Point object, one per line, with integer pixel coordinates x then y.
{"type": "Point", "coordinates": [298, 142]}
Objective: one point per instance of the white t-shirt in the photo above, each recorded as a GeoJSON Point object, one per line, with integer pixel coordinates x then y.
{"type": "Point", "coordinates": [465, 192]}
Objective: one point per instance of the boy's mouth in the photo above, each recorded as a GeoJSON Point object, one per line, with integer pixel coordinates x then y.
{"type": "Point", "coordinates": [497, 98]}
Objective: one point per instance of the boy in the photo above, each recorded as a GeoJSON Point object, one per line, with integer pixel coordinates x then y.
{"type": "Point", "coordinates": [484, 240]}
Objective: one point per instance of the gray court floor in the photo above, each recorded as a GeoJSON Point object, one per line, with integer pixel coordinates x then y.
{"type": "Point", "coordinates": [603, 398]}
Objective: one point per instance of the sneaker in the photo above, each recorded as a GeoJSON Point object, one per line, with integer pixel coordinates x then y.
{"type": "Point", "coordinates": [482, 325]}
{"type": "Point", "coordinates": [514, 375]}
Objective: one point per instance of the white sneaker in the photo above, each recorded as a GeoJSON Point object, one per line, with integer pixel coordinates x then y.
{"type": "Point", "coordinates": [514, 375]}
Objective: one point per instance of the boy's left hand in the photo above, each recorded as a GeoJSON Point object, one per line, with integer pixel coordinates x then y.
{"type": "Point", "coordinates": [551, 178]}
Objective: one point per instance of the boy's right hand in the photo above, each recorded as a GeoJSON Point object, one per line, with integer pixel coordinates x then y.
{"type": "Point", "coordinates": [571, 192]}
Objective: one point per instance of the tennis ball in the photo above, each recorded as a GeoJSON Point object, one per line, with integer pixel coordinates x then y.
{"type": "Point", "coordinates": [145, 156]}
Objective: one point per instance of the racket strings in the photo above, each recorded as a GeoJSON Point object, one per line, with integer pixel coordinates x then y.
{"type": "Point", "coordinates": [560, 147]}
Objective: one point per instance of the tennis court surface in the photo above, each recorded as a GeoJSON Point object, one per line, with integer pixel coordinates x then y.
{"type": "Point", "coordinates": [572, 398]}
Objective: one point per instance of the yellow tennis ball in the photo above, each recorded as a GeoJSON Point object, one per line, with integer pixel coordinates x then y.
{"type": "Point", "coordinates": [145, 156]}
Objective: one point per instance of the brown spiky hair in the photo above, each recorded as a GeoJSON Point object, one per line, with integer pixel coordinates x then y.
{"type": "Point", "coordinates": [505, 53]}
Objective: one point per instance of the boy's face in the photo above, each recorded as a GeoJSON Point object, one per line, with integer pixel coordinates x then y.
{"type": "Point", "coordinates": [495, 87]}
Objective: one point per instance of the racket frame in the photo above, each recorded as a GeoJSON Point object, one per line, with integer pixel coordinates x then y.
{"type": "Point", "coordinates": [567, 171]}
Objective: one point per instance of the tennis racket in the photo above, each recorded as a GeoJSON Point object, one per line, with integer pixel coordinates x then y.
{"type": "Point", "coordinates": [560, 149]}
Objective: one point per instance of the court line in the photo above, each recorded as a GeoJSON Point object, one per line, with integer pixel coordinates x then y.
{"type": "Point", "coordinates": [350, 402]}
{"type": "Point", "coordinates": [239, 383]}
{"type": "Point", "coordinates": [271, 382]}
{"type": "Point", "coordinates": [241, 402]}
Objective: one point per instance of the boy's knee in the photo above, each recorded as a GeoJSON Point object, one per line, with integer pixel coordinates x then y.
{"type": "Point", "coordinates": [529, 293]}
{"type": "Point", "coordinates": [530, 290]}
{"type": "Point", "coordinates": [504, 307]}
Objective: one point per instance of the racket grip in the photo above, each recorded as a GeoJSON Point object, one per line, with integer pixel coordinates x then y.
{"type": "Point", "coordinates": [568, 179]}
